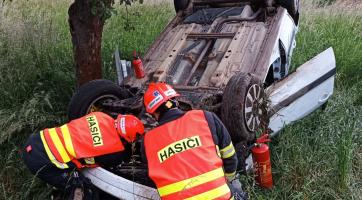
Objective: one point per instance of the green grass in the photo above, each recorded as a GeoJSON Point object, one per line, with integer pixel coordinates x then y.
{"type": "Point", "coordinates": [319, 157]}
{"type": "Point", "coordinates": [37, 75]}
{"type": "Point", "coordinates": [146, 22]}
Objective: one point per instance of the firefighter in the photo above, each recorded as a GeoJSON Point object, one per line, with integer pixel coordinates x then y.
{"type": "Point", "coordinates": [56, 154]}
{"type": "Point", "coordinates": [195, 159]}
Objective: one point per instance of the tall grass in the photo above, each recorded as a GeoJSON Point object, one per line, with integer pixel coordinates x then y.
{"type": "Point", "coordinates": [35, 84]}
{"type": "Point", "coordinates": [319, 157]}
{"type": "Point", "coordinates": [146, 22]}
{"type": "Point", "coordinates": [37, 75]}
{"type": "Point", "coordinates": [341, 32]}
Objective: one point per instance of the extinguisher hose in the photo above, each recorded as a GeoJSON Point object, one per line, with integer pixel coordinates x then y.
{"type": "Point", "coordinates": [251, 146]}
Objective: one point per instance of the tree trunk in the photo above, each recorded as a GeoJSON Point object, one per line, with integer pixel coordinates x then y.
{"type": "Point", "coordinates": [86, 31]}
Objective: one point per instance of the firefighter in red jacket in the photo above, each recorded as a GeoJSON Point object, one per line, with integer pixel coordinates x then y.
{"type": "Point", "coordinates": [93, 140]}
{"type": "Point", "coordinates": [195, 159]}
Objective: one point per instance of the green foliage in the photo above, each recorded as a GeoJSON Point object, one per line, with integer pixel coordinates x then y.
{"type": "Point", "coordinates": [105, 9]}
{"type": "Point", "coordinates": [341, 32]}
{"type": "Point", "coordinates": [319, 157]}
{"type": "Point", "coordinates": [36, 83]}
{"type": "Point", "coordinates": [313, 159]}
{"type": "Point", "coordinates": [36, 67]}
{"type": "Point", "coordinates": [147, 22]}
{"type": "Point", "coordinates": [16, 181]}
{"type": "Point", "coordinates": [37, 77]}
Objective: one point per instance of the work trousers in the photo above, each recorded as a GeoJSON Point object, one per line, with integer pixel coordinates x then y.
{"type": "Point", "coordinates": [36, 159]}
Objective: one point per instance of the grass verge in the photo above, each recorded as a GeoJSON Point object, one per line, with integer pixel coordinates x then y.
{"type": "Point", "coordinates": [317, 158]}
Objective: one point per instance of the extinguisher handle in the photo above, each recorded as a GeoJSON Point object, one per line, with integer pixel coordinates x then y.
{"type": "Point", "coordinates": [263, 139]}
{"type": "Point", "coordinates": [135, 54]}
{"type": "Point", "coordinates": [251, 146]}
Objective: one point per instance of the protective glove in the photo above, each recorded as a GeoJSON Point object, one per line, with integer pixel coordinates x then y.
{"type": "Point", "coordinates": [81, 188]}
{"type": "Point", "coordinates": [236, 184]}
{"type": "Point", "coordinates": [237, 191]}
{"type": "Point", "coordinates": [241, 196]}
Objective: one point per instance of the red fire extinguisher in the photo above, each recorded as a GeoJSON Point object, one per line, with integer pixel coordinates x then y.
{"type": "Point", "coordinates": [262, 164]}
{"type": "Point", "coordinates": [138, 66]}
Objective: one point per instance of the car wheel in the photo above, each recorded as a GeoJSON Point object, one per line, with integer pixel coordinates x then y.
{"type": "Point", "coordinates": [88, 97]}
{"type": "Point", "coordinates": [180, 5]}
{"type": "Point", "coordinates": [244, 107]}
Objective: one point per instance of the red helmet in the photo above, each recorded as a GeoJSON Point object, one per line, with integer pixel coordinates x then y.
{"type": "Point", "coordinates": [128, 126]}
{"type": "Point", "coordinates": [156, 95]}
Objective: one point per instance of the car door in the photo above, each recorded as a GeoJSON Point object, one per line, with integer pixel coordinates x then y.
{"type": "Point", "coordinates": [302, 92]}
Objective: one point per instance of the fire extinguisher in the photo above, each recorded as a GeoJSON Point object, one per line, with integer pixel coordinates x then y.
{"type": "Point", "coordinates": [138, 66]}
{"type": "Point", "coordinates": [262, 164]}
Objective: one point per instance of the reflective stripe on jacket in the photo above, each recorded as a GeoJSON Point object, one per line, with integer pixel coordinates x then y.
{"type": "Point", "coordinates": [83, 138]}
{"type": "Point", "coordinates": [183, 160]}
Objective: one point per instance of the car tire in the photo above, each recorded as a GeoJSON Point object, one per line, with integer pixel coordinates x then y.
{"type": "Point", "coordinates": [244, 107]}
{"type": "Point", "coordinates": [180, 5]}
{"type": "Point", "coordinates": [87, 97]}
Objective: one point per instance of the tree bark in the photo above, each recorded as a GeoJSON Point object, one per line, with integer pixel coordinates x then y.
{"type": "Point", "coordinates": [86, 31]}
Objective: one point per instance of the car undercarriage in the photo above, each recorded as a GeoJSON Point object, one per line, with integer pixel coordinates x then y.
{"type": "Point", "coordinates": [229, 57]}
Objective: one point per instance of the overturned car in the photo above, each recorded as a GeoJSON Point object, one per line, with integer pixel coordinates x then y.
{"type": "Point", "coordinates": [226, 56]}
